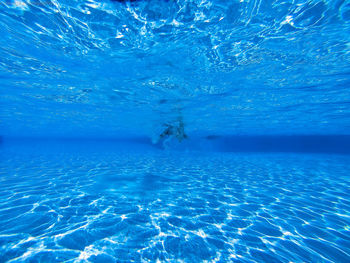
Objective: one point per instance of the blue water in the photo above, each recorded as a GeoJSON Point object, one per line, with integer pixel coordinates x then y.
{"type": "Point", "coordinates": [174, 131]}
{"type": "Point", "coordinates": [114, 204]}
{"type": "Point", "coordinates": [101, 68]}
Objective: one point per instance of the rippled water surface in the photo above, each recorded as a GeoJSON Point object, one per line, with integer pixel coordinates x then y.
{"type": "Point", "coordinates": [179, 207]}
{"type": "Point", "coordinates": [248, 66]}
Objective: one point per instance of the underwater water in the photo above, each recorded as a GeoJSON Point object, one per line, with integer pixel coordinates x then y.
{"type": "Point", "coordinates": [174, 131]}
{"type": "Point", "coordinates": [147, 205]}
{"type": "Point", "coordinates": [227, 66]}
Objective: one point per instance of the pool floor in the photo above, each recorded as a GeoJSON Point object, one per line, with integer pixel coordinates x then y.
{"type": "Point", "coordinates": [174, 206]}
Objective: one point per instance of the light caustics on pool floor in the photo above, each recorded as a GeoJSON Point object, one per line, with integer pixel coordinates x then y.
{"type": "Point", "coordinates": [123, 207]}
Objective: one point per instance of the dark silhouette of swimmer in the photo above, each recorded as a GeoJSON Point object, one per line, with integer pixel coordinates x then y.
{"type": "Point", "coordinates": [176, 130]}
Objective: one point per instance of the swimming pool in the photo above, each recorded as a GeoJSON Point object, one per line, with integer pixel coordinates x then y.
{"type": "Point", "coordinates": [174, 131]}
{"type": "Point", "coordinates": [151, 205]}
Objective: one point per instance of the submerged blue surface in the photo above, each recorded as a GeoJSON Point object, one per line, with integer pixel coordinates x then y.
{"type": "Point", "coordinates": [174, 131]}
{"type": "Point", "coordinates": [113, 204]}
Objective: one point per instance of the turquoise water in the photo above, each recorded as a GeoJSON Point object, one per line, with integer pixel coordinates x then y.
{"type": "Point", "coordinates": [143, 205]}
{"type": "Point", "coordinates": [174, 131]}
{"type": "Point", "coordinates": [102, 68]}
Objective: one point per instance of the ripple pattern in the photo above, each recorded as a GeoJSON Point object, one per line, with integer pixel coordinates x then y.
{"type": "Point", "coordinates": [108, 65]}
{"type": "Point", "coordinates": [172, 207]}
